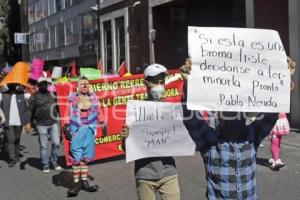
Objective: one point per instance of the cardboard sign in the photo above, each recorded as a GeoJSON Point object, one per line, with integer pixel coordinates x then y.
{"type": "Point", "coordinates": [156, 129]}
{"type": "Point", "coordinates": [237, 69]}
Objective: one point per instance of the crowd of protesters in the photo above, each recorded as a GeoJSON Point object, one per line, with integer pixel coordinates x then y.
{"type": "Point", "coordinates": [228, 147]}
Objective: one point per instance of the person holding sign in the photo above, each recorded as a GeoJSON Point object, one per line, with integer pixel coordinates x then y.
{"type": "Point", "coordinates": [229, 148]}
{"type": "Point", "coordinates": [85, 112]}
{"type": "Point", "coordinates": [156, 174]}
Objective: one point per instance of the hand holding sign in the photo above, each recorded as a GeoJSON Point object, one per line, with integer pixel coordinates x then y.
{"type": "Point", "coordinates": [186, 69]}
{"type": "Point", "coordinates": [125, 131]}
{"type": "Point", "coordinates": [156, 130]}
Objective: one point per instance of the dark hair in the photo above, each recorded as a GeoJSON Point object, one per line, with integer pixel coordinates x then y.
{"type": "Point", "coordinates": [32, 81]}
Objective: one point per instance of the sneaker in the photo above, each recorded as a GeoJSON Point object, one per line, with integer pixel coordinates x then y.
{"type": "Point", "coordinates": [72, 192]}
{"type": "Point", "coordinates": [271, 161]}
{"type": "Point", "coordinates": [56, 167]}
{"type": "Point", "coordinates": [46, 169]}
{"type": "Point", "coordinates": [277, 165]}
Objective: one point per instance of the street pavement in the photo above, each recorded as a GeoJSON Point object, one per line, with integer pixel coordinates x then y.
{"type": "Point", "coordinates": [116, 181]}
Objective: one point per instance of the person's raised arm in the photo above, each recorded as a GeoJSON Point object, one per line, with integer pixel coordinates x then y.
{"type": "Point", "coordinates": [203, 135]}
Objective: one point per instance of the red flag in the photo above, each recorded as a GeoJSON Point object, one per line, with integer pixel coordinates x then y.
{"type": "Point", "coordinates": [100, 65]}
{"type": "Point", "coordinates": [122, 69]}
{"type": "Point", "coordinates": [73, 72]}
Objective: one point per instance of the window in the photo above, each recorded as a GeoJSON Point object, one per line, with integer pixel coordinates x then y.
{"type": "Point", "coordinates": [31, 14]}
{"type": "Point", "coordinates": [45, 40]}
{"type": "Point", "coordinates": [77, 29]}
{"type": "Point", "coordinates": [60, 35]}
{"type": "Point", "coordinates": [108, 59]}
{"type": "Point", "coordinates": [51, 7]}
{"type": "Point", "coordinates": [114, 40]}
{"type": "Point", "coordinates": [69, 3]}
{"type": "Point", "coordinates": [58, 5]}
{"type": "Point", "coordinates": [120, 40]}
{"type": "Point", "coordinates": [52, 37]}
{"type": "Point", "coordinates": [39, 40]}
{"type": "Point", "coordinates": [69, 32]}
{"type": "Point", "coordinates": [38, 11]}
{"type": "Point", "coordinates": [45, 8]}
{"type": "Point", "coordinates": [62, 4]}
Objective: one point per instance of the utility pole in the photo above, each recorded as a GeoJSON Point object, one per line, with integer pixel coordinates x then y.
{"type": "Point", "coordinates": [24, 28]}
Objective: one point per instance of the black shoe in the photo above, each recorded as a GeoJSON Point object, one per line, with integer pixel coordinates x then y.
{"type": "Point", "coordinates": [11, 163]}
{"type": "Point", "coordinates": [86, 186]}
{"type": "Point", "coordinates": [73, 192]}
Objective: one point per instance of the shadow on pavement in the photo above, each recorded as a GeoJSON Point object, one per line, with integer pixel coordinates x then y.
{"type": "Point", "coordinates": [65, 179]}
{"type": "Point", "coordinates": [3, 155]}
{"type": "Point", "coordinates": [33, 162]}
{"type": "Point", "coordinates": [36, 162]}
{"type": "Point", "coordinates": [262, 162]}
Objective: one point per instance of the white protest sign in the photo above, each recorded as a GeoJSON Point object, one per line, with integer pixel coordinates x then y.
{"type": "Point", "coordinates": [237, 69]}
{"type": "Point", "coordinates": [156, 129]}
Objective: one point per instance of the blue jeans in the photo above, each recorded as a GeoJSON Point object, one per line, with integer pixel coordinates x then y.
{"type": "Point", "coordinates": [45, 132]}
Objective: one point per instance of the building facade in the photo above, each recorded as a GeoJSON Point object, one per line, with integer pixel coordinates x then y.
{"type": "Point", "coordinates": [61, 30]}
{"type": "Point", "coordinates": [148, 31]}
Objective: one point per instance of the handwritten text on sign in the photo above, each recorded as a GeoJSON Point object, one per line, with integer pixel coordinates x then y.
{"type": "Point", "coordinates": [156, 129]}
{"type": "Point", "coordinates": [237, 69]}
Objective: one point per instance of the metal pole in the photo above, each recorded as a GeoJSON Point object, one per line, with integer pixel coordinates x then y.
{"type": "Point", "coordinates": [98, 34]}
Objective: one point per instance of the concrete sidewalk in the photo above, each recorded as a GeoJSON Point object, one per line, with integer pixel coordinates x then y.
{"type": "Point", "coordinates": [292, 139]}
